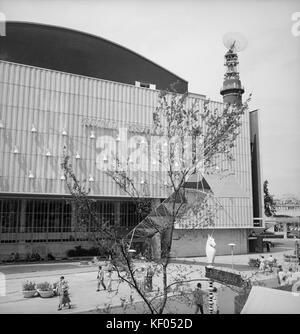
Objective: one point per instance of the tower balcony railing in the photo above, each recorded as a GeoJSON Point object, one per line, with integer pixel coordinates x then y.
{"type": "Point", "coordinates": [232, 86]}
{"type": "Point", "coordinates": [258, 222]}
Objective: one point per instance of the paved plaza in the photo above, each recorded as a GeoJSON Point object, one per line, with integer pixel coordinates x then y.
{"type": "Point", "coordinates": [83, 283]}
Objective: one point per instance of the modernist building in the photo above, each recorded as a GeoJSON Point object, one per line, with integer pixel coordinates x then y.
{"type": "Point", "coordinates": [64, 89]}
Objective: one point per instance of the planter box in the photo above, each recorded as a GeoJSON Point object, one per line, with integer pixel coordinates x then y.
{"type": "Point", "coordinates": [45, 294]}
{"type": "Point", "coordinates": [29, 293]}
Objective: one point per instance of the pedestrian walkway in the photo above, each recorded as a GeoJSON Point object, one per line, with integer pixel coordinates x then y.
{"type": "Point", "coordinates": [83, 284]}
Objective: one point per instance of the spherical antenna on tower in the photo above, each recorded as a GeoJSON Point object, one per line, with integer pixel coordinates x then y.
{"type": "Point", "coordinates": [235, 41]}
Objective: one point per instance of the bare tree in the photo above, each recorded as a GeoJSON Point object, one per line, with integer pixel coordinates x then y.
{"type": "Point", "coordinates": [196, 139]}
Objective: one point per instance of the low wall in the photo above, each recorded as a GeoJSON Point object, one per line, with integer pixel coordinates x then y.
{"type": "Point", "coordinates": [57, 249]}
{"type": "Point", "coordinates": [185, 243]}
{"type": "Point", "coordinates": [193, 242]}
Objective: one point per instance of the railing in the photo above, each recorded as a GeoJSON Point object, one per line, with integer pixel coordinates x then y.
{"type": "Point", "coordinates": [258, 222]}
{"type": "Point", "coordinates": [232, 86]}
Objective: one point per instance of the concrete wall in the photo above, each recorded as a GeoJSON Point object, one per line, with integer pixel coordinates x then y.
{"type": "Point", "coordinates": [57, 249]}
{"type": "Point", "coordinates": [193, 242]}
{"type": "Point", "coordinates": [185, 243]}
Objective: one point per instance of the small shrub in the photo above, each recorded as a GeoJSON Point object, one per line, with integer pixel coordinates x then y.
{"type": "Point", "coordinates": [71, 253]}
{"type": "Point", "coordinates": [28, 286]}
{"type": "Point", "coordinates": [44, 286]}
{"type": "Point", "coordinates": [93, 251]}
{"type": "Point", "coordinates": [50, 257]}
{"type": "Point", "coordinates": [80, 251]}
{"type": "Point", "coordinates": [36, 257]}
{"type": "Point", "coordinates": [32, 257]}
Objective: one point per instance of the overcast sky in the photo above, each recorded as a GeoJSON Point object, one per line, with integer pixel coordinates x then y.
{"type": "Point", "coordinates": [186, 38]}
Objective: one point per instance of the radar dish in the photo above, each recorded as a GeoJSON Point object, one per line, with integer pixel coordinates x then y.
{"type": "Point", "coordinates": [235, 41]}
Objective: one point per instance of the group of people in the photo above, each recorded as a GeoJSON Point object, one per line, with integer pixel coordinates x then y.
{"type": "Point", "coordinates": [267, 263]}
{"type": "Point", "coordinates": [144, 278]}
{"type": "Point", "coordinates": [287, 277]}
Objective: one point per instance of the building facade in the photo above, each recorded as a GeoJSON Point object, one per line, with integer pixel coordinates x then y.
{"type": "Point", "coordinates": [67, 91]}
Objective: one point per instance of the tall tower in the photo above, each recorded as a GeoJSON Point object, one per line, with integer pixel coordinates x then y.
{"type": "Point", "coordinates": [232, 88]}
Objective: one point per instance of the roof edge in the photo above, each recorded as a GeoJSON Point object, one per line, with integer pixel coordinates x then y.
{"type": "Point", "coordinates": [93, 36]}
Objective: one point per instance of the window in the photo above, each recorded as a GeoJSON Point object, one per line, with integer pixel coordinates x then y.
{"type": "Point", "coordinates": [47, 216]}
{"type": "Point", "coordinates": [128, 214]}
{"type": "Point", "coordinates": [145, 85]}
{"type": "Point", "coordinates": [10, 215]}
{"type": "Point", "coordinates": [104, 212]}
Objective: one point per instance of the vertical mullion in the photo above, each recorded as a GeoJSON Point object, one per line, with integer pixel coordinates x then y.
{"type": "Point", "coordinates": [31, 220]}
{"type": "Point", "coordinates": [58, 210]}
{"type": "Point", "coordinates": [18, 216]}
{"type": "Point", "coordinates": [1, 214]}
{"type": "Point", "coordinates": [47, 220]}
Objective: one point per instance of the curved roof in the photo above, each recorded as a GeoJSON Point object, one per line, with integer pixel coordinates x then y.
{"type": "Point", "coordinates": [80, 53]}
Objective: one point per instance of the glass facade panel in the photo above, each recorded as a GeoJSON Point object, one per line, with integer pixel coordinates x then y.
{"type": "Point", "coordinates": [51, 216]}
{"type": "Point", "coordinates": [9, 215]}
{"type": "Point", "coordinates": [128, 214]}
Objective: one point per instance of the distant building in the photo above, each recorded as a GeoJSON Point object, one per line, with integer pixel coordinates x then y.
{"type": "Point", "coordinates": [287, 217]}
{"type": "Point", "coordinates": [288, 205]}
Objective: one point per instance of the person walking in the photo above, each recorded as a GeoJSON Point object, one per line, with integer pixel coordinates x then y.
{"type": "Point", "coordinates": [270, 262]}
{"type": "Point", "coordinates": [262, 265]}
{"type": "Point", "coordinates": [109, 280]}
{"type": "Point", "coordinates": [198, 298]}
{"type": "Point", "coordinates": [63, 293]}
{"type": "Point", "coordinates": [289, 277]}
{"type": "Point", "coordinates": [100, 278]}
{"type": "Point", "coordinates": [281, 276]}
{"type": "Point", "coordinates": [149, 279]}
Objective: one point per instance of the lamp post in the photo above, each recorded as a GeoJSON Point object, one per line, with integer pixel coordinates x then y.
{"type": "Point", "coordinates": [231, 247]}
{"type": "Point", "coordinates": [131, 251]}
